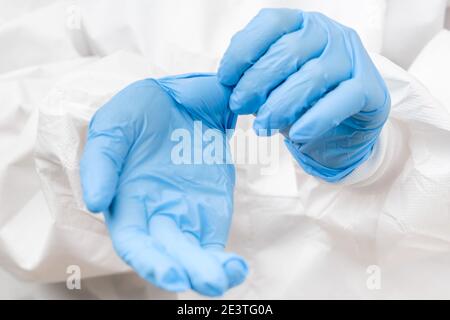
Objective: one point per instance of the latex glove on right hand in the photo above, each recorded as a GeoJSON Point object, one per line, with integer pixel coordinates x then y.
{"type": "Point", "coordinates": [168, 221]}
{"type": "Point", "coordinates": [310, 78]}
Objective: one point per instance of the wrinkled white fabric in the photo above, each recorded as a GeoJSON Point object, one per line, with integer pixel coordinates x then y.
{"type": "Point", "coordinates": [303, 238]}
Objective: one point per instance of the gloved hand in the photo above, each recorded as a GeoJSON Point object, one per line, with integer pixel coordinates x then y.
{"type": "Point", "coordinates": [168, 221]}
{"type": "Point", "coordinates": [310, 78]}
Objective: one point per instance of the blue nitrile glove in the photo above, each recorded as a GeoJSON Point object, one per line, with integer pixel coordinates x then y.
{"type": "Point", "coordinates": [168, 220]}
{"type": "Point", "coordinates": [311, 78]}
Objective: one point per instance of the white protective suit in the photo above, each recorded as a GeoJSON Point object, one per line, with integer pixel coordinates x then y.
{"type": "Point", "coordinates": [302, 237]}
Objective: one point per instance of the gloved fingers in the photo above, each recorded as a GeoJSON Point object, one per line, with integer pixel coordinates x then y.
{"type": "Point", "coordinates": [291, 99]}
{"type": "Point", "coordinates": [100, 165]}
{"type": "Point", "coordinates": [341, 103]}
{"type": "Point", "coordinates": [206, 274]}
{"type": "Point", "coordinates": [235, 266]}
{"type": "Point", "coordinates": [284, 58]}
{"type": "Point", "coordinates": [127, 224]}
{"type": "Point", "coordinates": [248, 45]}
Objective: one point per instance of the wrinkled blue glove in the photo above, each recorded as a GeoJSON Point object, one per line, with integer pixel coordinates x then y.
{"type": "Point", "coordinates": [310, 78]}
{"type": "Point", "coordinates": [168, 221]}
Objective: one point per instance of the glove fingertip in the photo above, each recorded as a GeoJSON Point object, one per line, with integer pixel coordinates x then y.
{"type": "Point", "coordinates": [97, 202]}
{"type": "Point", "coordinates": [303, 130]}
{"type": "Point", "coordinates": [225, 73]}
{"type": "Point", "coordinates": [173, 279]}
{"type": "Point", "coordinates": [236, 270]}
{"type": "Point", "coordinates": [297, 137]}
{"type": "Point", "coordinates": [235, 104]}
{"type": "Point", "coordinates": [99, 177]}
{"type": "Point", "coordinates": [98, 187]}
